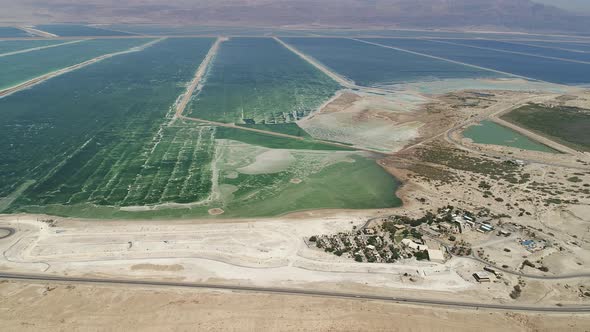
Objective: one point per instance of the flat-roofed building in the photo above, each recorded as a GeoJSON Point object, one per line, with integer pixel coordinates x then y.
{"type": "Point", "coordinates": [482, 277]}
{"type": "Point", "coordinates": [413, 245]}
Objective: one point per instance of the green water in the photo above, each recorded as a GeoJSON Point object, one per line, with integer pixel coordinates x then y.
{"type": "Point", "coordinates": [101, 137]}
{"type": "Point", "coordinates": [22, 67]}
{"type": "Point", "coordinates": [260, 80]}
{"type": "Point", "coordinates": [361, 184]}
{"type": "Point", "coordinates": [488, 132]}
{"type": "Point", "coordinates": [273, 142]}
{"type": "Point", "coordinates": [65, 132]}
{"type": "Point", "coordinates": [8, 46]}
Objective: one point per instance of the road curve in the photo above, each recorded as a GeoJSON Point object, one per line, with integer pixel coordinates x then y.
{"type": "Point", "coordinates": [10, 231]}
{"type": "Point", "coordinates": [289, 291]}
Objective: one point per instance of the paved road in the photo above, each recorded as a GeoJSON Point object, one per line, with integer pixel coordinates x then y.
{"type": "Point", "coordinates": [287, 291]}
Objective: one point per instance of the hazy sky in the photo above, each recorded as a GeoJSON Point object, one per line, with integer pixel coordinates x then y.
{"type": "Point", "coordinates": [579, 5]}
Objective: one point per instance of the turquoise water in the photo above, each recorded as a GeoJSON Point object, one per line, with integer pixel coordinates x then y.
{"type": "Point", "coordinates": [548, 70]}
{"type": "Point", "coordinates": [68, 30]}
{"type": "Point", "coordinates": [12, 32]}
{"type": "Point", "coordinates": [22, 67]}
{"type": "Point", "coordinates": [370, 65]}
{"type": "Point", "coordinates": [7, 46]}
{"type": "Point", "coordinates": [528, 49]}
{"type": "Point", "coordinates": [488, 132]}
{"type": "Point", "coordinates": [577, 47]}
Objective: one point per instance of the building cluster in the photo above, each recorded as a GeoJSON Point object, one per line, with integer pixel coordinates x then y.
{"type": "Point", "coordinates": [392, 238]}
{"type": "Point", "coordinates": [397, 237]}
{"type": "Point", "coordinates": [364, 246]}
{"type": "Point", "coordinates": [533, 245]}
{"type": "Point", "coordinates": [485, 275]}
{"type": "Point", "coordinates": [278, 117]}
{"type": "Point", "coordinates": [450, 220]}
{"type": "Point", "coordinates": [527, 237]}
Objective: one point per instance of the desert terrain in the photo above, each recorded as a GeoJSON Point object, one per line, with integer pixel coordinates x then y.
{"type": "Point", "coordinates": [490, 235]}
{"type": "Point", "coordinates": [276, 252]}
{"type": "Point", "coordinates": [29, 307]}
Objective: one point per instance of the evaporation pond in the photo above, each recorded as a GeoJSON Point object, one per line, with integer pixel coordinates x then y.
{"type": "Point", "coordinates": [488, 132]}
{"type": "Point", "coordinates": [370, 65]}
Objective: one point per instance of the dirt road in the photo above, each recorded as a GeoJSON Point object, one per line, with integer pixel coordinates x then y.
{"type": "Point", "coordinates": [198, 76]}
{"type": "Point", "coordinates": [496, 117]}
{"type": "Point", "coordinates": [38, 32]}
{"type": "Point", "coordinates": [197, 84]}
{"type": "Point", "coordinates": [272, 133]}
{"type": "Point", "coordinates": [341, 80]}
{"type": "Point", "coordinates": [493, 113]}
{"type": "Point", "coordinates": [453, 136]}
{"type": "Point", "coordinates": [40, 48]}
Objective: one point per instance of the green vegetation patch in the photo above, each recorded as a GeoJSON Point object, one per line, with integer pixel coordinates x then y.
{"type": "Point", "coordinates": [459, 160]}
{"type": "Point", "coordinates": [258, 81]}
{"type": "Point", "coordinates": [567, 125]}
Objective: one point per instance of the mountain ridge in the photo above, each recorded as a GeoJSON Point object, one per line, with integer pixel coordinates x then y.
{"type": "Point", "coordinates": [521, 15]}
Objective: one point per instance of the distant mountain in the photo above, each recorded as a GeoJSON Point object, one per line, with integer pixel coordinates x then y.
{"type": "Point", "coordinates": [524, 15]}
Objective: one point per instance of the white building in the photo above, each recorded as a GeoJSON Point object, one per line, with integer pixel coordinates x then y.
{"type": "Point", "coordinates": [413, 245]}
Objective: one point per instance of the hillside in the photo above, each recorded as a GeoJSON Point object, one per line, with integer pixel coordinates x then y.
{"type": "Point", "coordinates": [497, 14]}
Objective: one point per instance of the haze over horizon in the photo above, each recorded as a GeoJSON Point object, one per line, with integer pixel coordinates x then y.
{"type": "Point", "coordinates": [580, 6]}
{"type": "Point", "coordinates": [516, 15]}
